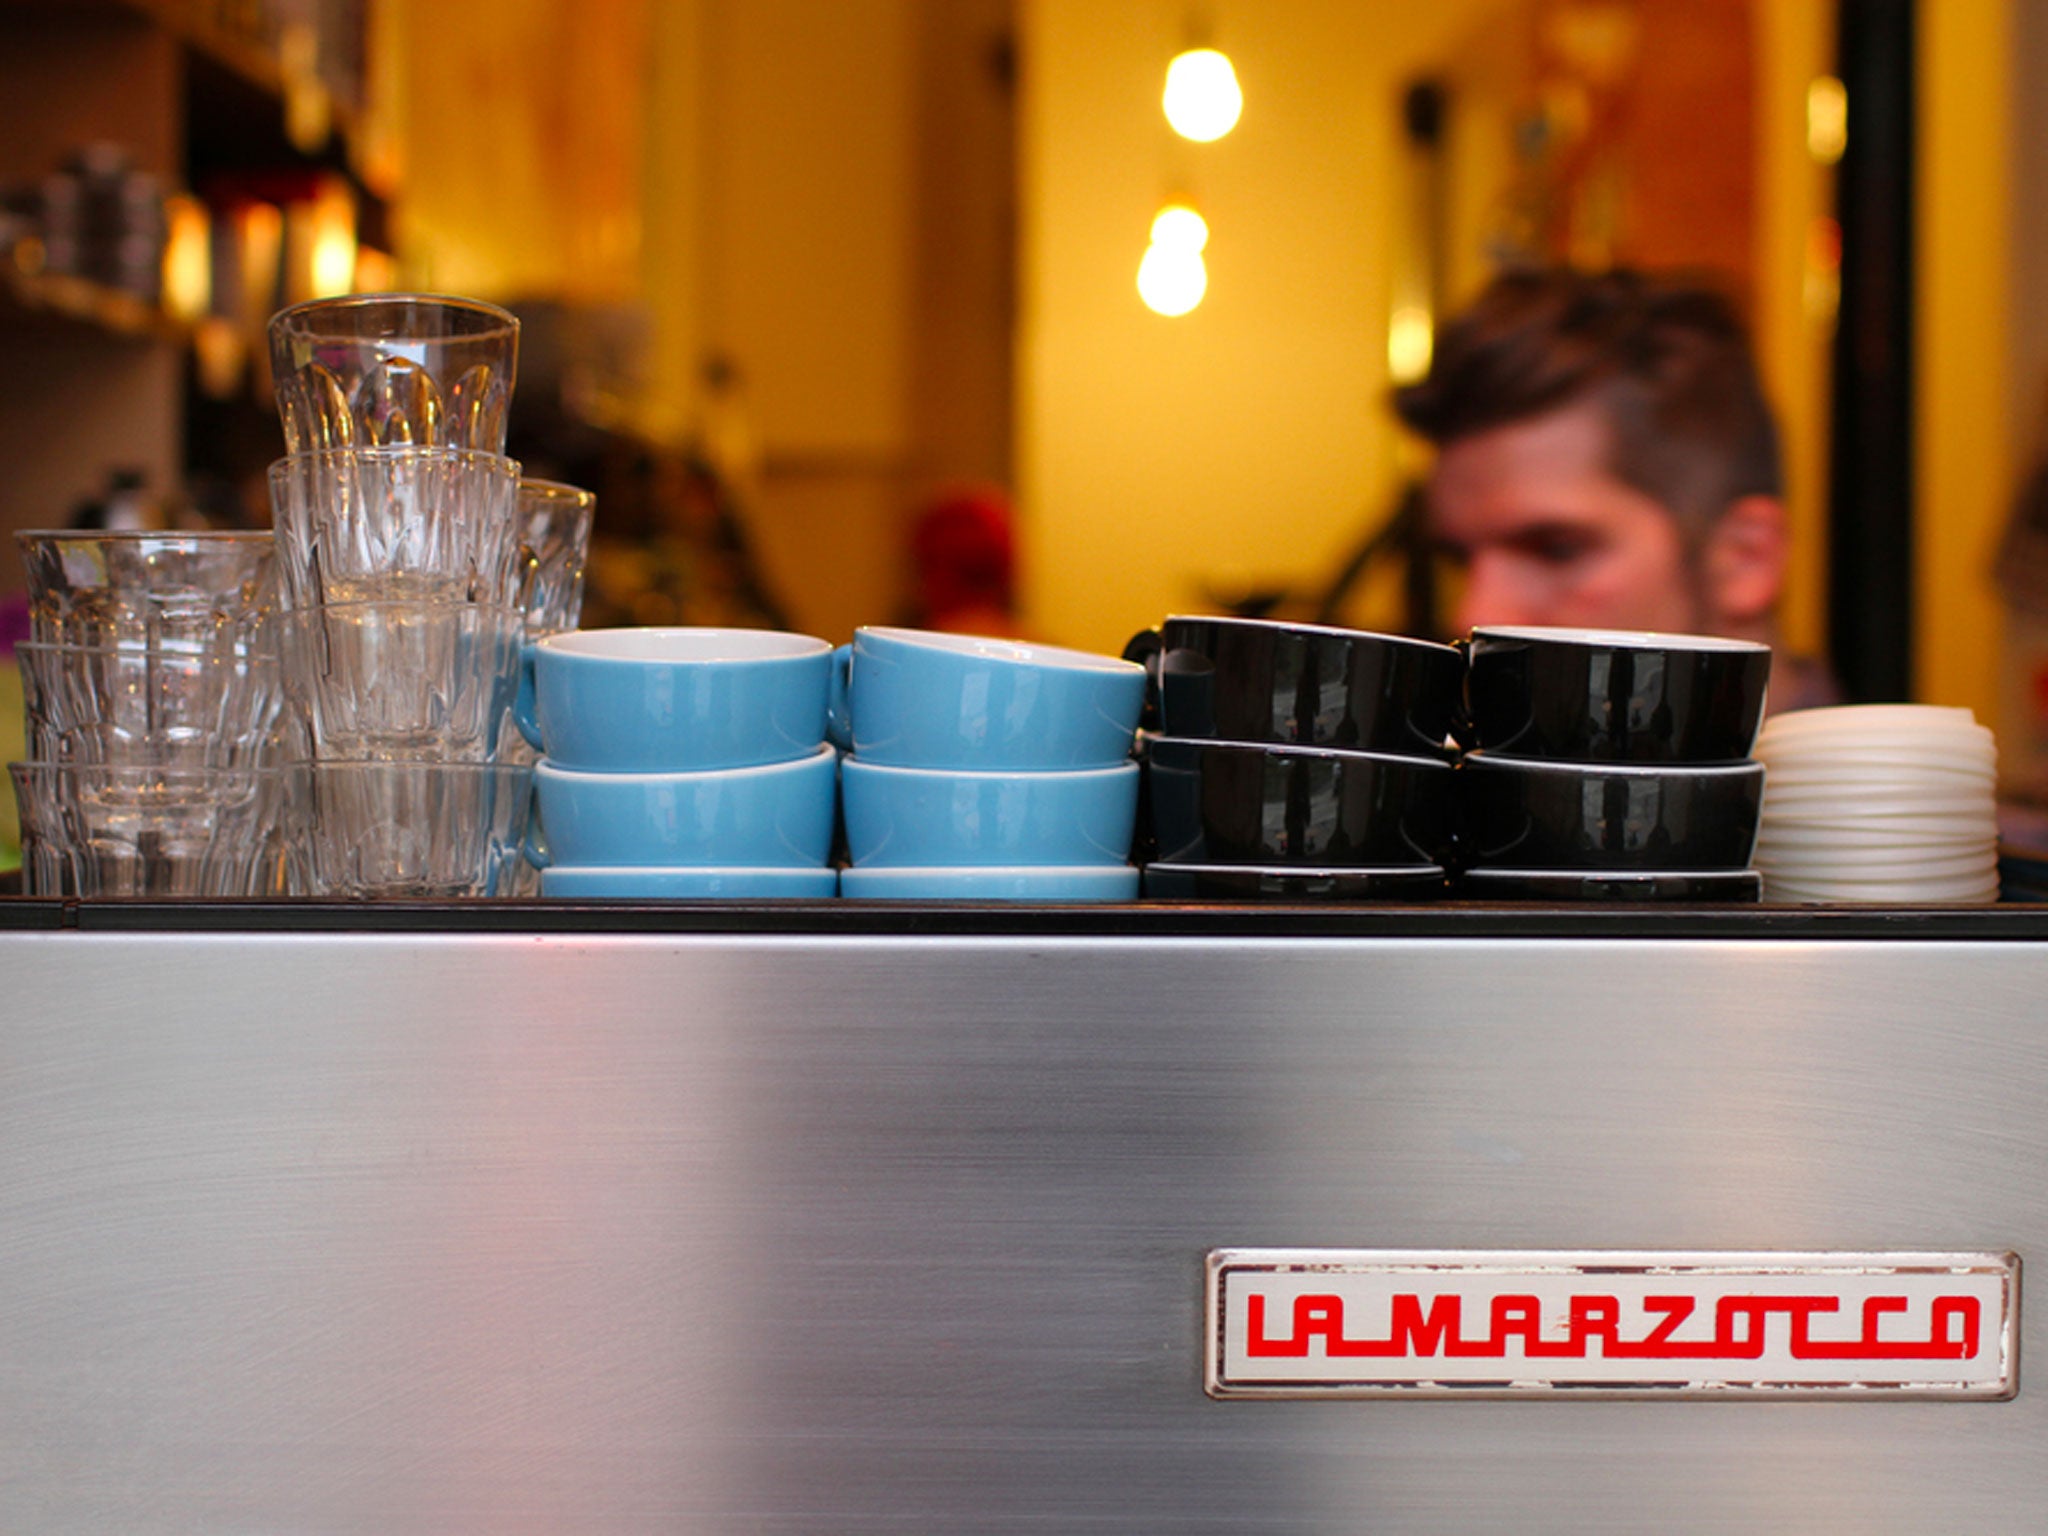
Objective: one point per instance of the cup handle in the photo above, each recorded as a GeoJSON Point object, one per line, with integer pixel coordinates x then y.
{"type": "Point", "coordinates": [1462, 733]}
{"type": "Point", "coordinates": [533, 847]}
{"type": "Point", "coordinates": [1144, 648]}
{"type": "Point", "coordinates": [838, 714]}
{"type": "Point", "coordinates": [525, 705]}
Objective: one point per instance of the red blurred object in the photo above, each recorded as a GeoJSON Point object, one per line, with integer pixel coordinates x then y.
{"type": "Point", "coordinates": [964, 553]}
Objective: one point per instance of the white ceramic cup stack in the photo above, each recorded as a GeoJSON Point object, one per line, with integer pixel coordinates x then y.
{"type": "Point", "coordinates": [1879, 803]}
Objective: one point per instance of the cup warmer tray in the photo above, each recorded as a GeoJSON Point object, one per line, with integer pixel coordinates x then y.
{"type": "Point", "coordinates": [847, 1219]}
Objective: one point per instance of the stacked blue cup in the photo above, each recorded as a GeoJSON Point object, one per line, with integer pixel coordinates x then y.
{"type": "Point", "coordinates": [680, 762]}
{"type": "Point", "coordinates": [985, 770]}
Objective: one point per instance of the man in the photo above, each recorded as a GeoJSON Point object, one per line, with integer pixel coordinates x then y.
{"type": "Point", "coordinates": [1606, 460]}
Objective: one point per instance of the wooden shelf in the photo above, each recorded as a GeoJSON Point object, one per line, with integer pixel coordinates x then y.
{"type": "Point", "coordinates": [80, 301]}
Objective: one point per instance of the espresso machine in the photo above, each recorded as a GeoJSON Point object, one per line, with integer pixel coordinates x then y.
{"type": "Point", "coordinates": [828, 1218]}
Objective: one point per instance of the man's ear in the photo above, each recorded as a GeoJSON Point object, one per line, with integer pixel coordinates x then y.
{"type": "Point", "coordinates": [1742, 566]}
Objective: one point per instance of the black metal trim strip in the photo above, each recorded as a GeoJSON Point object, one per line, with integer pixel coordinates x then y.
{"type": "Point", "coordinates": [2011, 922]}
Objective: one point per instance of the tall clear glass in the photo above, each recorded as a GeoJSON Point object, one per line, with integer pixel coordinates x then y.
{"type": "Point", "coordinates": [380, 369]}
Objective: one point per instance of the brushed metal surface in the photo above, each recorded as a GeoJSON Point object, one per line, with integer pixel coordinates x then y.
{"type": "Point", "coordinates": [360, 1233]}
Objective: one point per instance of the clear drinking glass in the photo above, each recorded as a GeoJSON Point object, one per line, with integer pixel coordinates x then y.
{"type": "Point", "coordinates": [555, 522]}
{"type": "Point", "coordinates": [103, 830]}
{"type": "Point", "coordinates": [380, 829]}
{"type": "Point", "coordinates": [181, 707]}
{"type": "Point", "coordinates": [38, 797]}
{"type": "Point", "coordinates": [423, 681]}
{"type": "Point", "coordinates": [554, 530]}
{"type": "Point", "coordinates": [378, 524]}
{"type": "Point", "coordinates": [171, 590]}
{"type": "Point", "coordinates": [389, 368]}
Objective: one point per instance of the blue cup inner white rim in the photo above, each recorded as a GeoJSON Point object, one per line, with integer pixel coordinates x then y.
{"type": "Point", "coordinates": [553, 771]}
{"type": "Point", "coordinates": [1027, 653]}
{"type": "Point", "coordinates": [682, 644]}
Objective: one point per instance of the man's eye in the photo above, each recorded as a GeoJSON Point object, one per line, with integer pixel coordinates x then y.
{"type": "Point", "coordinates": [1454, 557]}
{"type": "Point", "coordinates": [1559, 546]}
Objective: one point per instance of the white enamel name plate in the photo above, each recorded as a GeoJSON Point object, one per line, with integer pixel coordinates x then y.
{"type": "Point", "coordinates": [1319, 1322]}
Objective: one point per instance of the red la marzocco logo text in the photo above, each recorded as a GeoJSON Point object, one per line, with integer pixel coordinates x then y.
{"type": "Point", "coordinates": [1596, 1323]}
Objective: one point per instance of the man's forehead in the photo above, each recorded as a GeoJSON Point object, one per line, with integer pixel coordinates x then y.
{"type": "Point", "coordinates": [1548, 468]}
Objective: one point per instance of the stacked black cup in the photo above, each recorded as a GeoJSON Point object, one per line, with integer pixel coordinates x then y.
{"type": "Point", "coordinates": [1610, 765]}
{"type": "Point", "coordinates": [1294, 761]}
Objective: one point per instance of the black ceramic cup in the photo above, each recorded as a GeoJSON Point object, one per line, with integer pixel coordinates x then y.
{"type": "Point", "coordinates": [1227, 802]}
{"type": "Point", "coordinates": [1292, 882]}
{"type": "Point", "coordinates": [1614, 696]}
{"type": "Point", "coordinates": [1529, 813]}
{"type": "Point", "coordinates": [1303, 684]}
{"type": "Point", "coordinates": [1549, 885]}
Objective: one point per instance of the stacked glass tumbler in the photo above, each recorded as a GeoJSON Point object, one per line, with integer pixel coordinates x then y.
{"type": "Point", "coordinates": [402, 577]}
{"type": "Point", "coordinates": [154, 722]}
{"type": "Point", "coordinates": [554, 528]}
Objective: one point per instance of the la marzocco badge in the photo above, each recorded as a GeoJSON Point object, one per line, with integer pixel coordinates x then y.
{"type": "Point", "coordinates": [1373, 1323]}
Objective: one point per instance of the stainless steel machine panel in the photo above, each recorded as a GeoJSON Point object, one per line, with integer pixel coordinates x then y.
{"type": "Point", "coordinates": [723, 1233]}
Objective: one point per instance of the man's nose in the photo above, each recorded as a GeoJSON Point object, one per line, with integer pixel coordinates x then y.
{"type": "Point", "coordinates": [1491, 595]}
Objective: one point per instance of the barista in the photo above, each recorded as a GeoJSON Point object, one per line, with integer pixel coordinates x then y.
{"type": "Point", "coordinates": [1605, 459]}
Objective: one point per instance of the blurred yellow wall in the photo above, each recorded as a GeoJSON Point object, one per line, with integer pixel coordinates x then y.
{"type": "Point", "coordinates": [1966, 442]}
{"type": "Point", "coordinates": [1795, 291]}
{"type": "Point", "coordinates": [517, 127]}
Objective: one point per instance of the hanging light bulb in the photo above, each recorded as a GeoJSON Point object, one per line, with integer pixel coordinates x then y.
{"type": "Point", "coordinates": [1179, 226]}
{"type": "Point", "coordinates": [1172, 279]}
{"type": "Point", "coordinates": [1203, 99]}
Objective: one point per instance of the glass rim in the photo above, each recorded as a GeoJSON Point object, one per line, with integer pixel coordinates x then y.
{"type": "Point", "coordinates": [159, 770]}
{"type": "Point", "coordinates": [300, 321]}
{"type": "Point", "coordinates": [195, 536]}
{"type": "Point", "coordinates": [408, 765]}
{"type": "Point", "coordinates": [556, 491]}
{"type": "Point", "coordinates": [422, 605]}
{"type": "Point", "coordinates": [232, 643]}
{"type": "Point", "coordinates": [310, 458]}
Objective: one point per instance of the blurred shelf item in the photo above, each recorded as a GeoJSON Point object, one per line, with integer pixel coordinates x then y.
{"type": "Point", "coordinates": [80, 301]}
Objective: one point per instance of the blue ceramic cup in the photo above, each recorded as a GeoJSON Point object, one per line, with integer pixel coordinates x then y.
{"type": "Point", "coordinates": [1095, 882]}
{"type": "Point", "coordinates": [919, 699]}
{"type": "Point", "coordinates": [772, 815]}
{"type": "Point", "coordinates": [948, 817]}
{"type": "Point", "coordinates": [599, 882]}
{"type": "Point", "coordinates": [673, 700]}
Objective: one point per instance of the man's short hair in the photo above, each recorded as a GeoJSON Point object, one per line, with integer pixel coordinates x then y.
{"type": "Point", "coordinates": [1669, 365]}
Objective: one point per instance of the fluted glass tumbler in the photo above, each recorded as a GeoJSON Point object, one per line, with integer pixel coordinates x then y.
{"type": "Point", "coordinates": [398, 680]}
{"type": "Point", "coordinates": [100, 830]}
{"type": "Point", "coordinates": [554, 532]}
{"type": "Point", "coordinates": [194, 591]}
{"type": "Point", "coordinates": [153, 706]}
{"type": "Point", "coordinates": [388, 524]}
{"type": "Point", "coordinates": [394, 368]}
{"type": "Point", "coordinates": [383, 829]}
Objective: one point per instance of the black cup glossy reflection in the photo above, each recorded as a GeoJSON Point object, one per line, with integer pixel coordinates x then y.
{"type": "Point", "coordinates": [1522, 813]}
{"type": "Point", "coordinates": [1305, 684]}
{"type": "Point", "coordinates": [1614, 696]}
{"type": "Point", "coordinates": [1226, 802]}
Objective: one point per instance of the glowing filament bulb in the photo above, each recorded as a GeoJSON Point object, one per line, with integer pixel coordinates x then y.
{"type": "Point", "coordinates": [1172, 279]}
{"type": "Point", "coordinates": [1202, 97]}
{"type": "Point", "coordinates": [1180, 228]}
